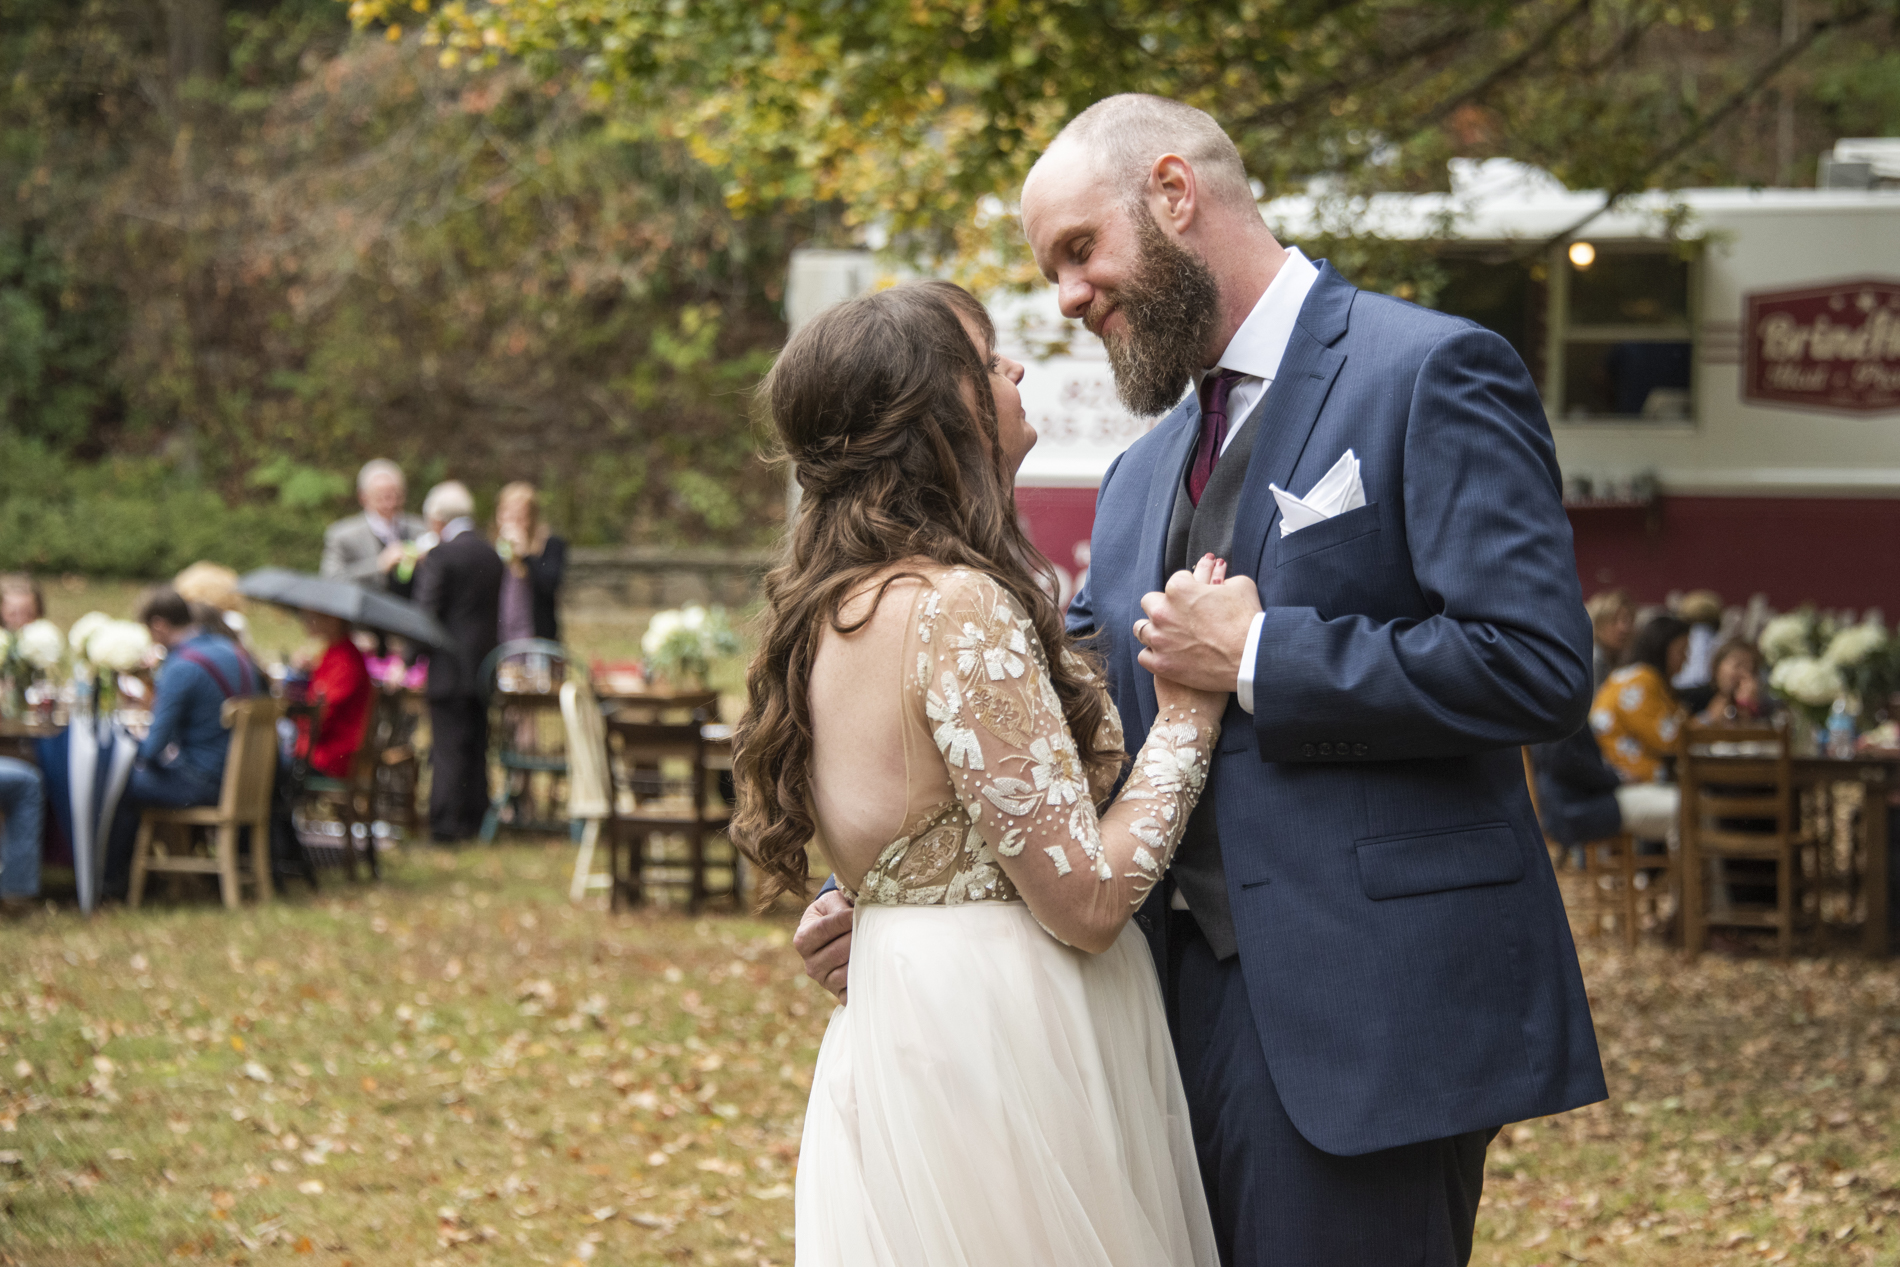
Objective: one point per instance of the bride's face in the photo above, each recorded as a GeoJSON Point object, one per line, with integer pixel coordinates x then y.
{"type": "Point", "coordinates": [1013, 431]}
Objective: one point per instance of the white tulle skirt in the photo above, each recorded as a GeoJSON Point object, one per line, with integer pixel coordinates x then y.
{"type": "Point", "coordinates": [990, 1097]}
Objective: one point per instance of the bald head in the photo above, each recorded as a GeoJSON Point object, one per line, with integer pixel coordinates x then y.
{"type": "Point", "coordinates": [1119, 138]}
{"type": "Point", "coordinates": [1141, 215]}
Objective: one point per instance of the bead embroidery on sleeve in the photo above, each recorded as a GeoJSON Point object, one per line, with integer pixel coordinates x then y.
{"type": "Point", "coordinates": [1016, 772]}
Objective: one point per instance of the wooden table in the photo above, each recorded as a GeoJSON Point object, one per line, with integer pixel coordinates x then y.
{"type": "Point", "coordinates": [1878, 776]}
{"type": "Point", "coordinates": [17, 737]}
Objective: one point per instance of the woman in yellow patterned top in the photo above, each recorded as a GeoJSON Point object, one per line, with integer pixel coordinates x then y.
{"type": "Point", "coordinates": [1636, 715]}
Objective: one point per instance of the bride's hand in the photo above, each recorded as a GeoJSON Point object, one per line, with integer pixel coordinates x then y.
{"type": "Point", "coordinates": [1177, 700]}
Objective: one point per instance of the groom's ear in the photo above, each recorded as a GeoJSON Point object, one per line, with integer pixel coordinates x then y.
{"type": "Point", "coordinates": [1174, 193]}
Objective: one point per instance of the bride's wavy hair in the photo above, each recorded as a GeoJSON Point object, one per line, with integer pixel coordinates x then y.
{"type": "Point", "coordinates": [871, 400]}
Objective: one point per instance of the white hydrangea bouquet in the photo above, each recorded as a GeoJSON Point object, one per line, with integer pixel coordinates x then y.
{"type": "Point", "coordinates": [681, 643]}
{"type": "Point", "coordinates": [1814, 661]}
{"type": "Point", "coordinates": [103, 648]}
{"type": "Point", "coordinates": [33, 653]}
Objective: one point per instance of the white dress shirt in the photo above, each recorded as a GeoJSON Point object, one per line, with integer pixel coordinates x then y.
{"type": "Point", "coordinates": [1255, 352]}
{"type": "Point", "coordinates": [387, 531]}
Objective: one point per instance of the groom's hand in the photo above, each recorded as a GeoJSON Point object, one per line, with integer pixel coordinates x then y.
{"type": "Point", "coordinates": [823, 941]}
{"type": "Point", "coordinates": [1196, 630]}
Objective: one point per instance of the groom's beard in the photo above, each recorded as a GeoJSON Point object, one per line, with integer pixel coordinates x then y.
{"type": "Point", "coordinates": [1169, 307]}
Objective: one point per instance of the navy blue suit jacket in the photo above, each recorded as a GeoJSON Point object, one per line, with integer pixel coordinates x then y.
{"type": "Point", "coordinates": [1401, 935]}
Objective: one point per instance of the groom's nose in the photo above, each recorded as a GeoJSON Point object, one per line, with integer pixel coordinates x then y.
{"type": "Point", "coordinates": [1074, 295]}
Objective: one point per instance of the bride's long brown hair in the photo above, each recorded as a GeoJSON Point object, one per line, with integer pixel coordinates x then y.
{"type": "Point", "coordinates": [871, 400]}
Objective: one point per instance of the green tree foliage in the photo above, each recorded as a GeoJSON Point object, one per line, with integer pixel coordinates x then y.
{"type": "Point", "coordinates": [243, 248]}
{"type": "Point", "coordinates": [918, 116]}
{"type": "Point", "coordinates": [352, 251]}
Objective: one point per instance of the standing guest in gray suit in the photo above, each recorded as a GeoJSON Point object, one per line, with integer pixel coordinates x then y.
{"type": "Point", "coordinates": [377, 547]}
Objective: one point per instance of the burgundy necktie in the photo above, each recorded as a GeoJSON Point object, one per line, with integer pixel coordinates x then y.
{"type": "Point", "coordinates": [1214, 389]}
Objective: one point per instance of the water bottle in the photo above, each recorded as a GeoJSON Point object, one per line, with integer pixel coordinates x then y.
{"type": "Point", "coordinates": [1840, 731]}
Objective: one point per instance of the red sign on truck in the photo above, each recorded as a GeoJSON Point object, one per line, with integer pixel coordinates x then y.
{"type": "Point", "coordinates": [1833, 347]}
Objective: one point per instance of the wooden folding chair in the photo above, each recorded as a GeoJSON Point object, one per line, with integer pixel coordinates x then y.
{"type": "Point", "coordinates": [1613, 875]}
{"type": "Point", "coordinates": [665, 780]}
{"type": "Point", "coordinates": [1738, 803]}
{"type": "Point", "coordinates": [250, 769]}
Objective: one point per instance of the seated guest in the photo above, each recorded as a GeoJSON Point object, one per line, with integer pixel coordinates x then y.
{"type": "Point", "coordinates": [1581, 799]}
{"type": "Point", "coordinates": [340, 687]}
{"type": "Point", "coordinates": [1612, 620]}
{"type": "Point", "coordinates": [536, 558]}
{"type": "Point", "coordinates": [1737, 679]}
{"type": "Point", "coordinates": [181, 760]}
{"type": "Point", "coordinates": [21, 602]}
{"type": "Point", "coordinates": [214, 586]}
{"type": "Point", "coordinates": [1636, 716]}
{"type": "Point", "coordinates": [23, 806]}
{"type": "Point", "coordinates": [1702, 609]}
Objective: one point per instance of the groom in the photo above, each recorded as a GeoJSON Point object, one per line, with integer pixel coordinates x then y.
{"type": "Point", "coordinates": [1361, 944]}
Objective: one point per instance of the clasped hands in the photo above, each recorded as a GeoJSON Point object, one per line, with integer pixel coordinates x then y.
{"type": "Point", "coordinates": [1195, 629]}
{"type": "Point", "coordinates": [1194, 633]}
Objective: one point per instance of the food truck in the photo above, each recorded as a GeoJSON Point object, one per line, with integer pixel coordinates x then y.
{"type": "Point", "coordinates": [1720, 368]}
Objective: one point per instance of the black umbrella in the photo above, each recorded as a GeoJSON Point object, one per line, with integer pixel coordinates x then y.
{"type": "Point", "coordinates": [371, 609]}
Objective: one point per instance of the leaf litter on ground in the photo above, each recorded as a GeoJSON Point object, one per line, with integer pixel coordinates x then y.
{"type": "Point", "coordinates": [455, 1065]}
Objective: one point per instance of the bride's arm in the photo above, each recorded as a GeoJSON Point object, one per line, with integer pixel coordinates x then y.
{"type": "Point", "coordinates": [982, 680]}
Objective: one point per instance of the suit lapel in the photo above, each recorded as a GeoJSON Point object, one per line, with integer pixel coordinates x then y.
{"type": "Point", "coordinates": [1288, 413]}
{"type": "Point", "coordinates": [1164, 482]}
{"type": "Point", "coordinates": [1151, 568]}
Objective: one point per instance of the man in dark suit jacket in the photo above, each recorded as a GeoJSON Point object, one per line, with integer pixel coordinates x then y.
{"type": "Point", "coordinates": [459, 583]}
{"type": "Point", "coordinates": [1361, 943]}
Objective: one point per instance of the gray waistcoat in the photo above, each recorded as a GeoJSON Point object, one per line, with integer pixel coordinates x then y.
{"type": "Point", "coordinates": [1192, 532]}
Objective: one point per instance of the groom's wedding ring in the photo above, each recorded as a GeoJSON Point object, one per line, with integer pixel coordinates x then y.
{"type": "Point", "coordinates": [1141, 631]}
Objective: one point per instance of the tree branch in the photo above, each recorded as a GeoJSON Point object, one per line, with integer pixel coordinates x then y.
{"type": "Point", "coordinates": [1715, 118]}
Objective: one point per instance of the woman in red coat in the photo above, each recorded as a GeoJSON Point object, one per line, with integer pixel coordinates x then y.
{"type": "Point", "coordinates": [341, 688]}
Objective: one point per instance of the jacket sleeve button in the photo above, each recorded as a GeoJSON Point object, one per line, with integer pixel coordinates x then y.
{"type": "Point", "coordinates": [1306, 750]}
{"type": "Point", "coordinates": [1358, 750]}
{"type": "Point", "coordinates": [1325, 750]}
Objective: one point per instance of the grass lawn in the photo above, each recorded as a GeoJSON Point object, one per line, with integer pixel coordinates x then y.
{"type": "Point", "coordinates": [456, 1066]}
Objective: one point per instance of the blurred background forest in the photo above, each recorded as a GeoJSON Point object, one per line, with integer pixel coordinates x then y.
{"type": "Point", "coordinates": [246, 245]}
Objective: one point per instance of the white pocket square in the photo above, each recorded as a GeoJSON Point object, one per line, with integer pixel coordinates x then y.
{"type": "Point", "coordinates": [1337, 492]}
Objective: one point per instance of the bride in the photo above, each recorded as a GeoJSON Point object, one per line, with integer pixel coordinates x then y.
{"type": "Point", "coordinates": [1000, 1088]}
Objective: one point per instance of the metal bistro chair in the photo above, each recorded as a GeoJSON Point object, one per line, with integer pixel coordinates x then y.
{"type": "Point", "coordinates": [1738, 807]}
{"type": "Point", "coordinates": [351, 801]}
{"type": "Point", "coordinates": [516, 734]}
{"type": "Point", "coordinates": [250, 768]}
{"type": "Point", "coordinates": [674, 810]}
{"type": "Point", "coordinates": [398, 769]}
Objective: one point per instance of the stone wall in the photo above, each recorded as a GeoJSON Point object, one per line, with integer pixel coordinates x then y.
{"type": "Point", "coordinates": [606, 581]}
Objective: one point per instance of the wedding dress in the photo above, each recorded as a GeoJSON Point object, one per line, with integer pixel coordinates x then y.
{"type": "Point", "coordinates": [989, 1095]}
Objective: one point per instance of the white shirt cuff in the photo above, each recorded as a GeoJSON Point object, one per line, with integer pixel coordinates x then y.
{"type": "Point", "coordinates": [1243, 688]}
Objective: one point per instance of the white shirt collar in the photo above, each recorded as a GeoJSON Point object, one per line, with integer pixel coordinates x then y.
{"type": "Point", "coordinates": [456, 527]}
{"type": "Point", "coordinates": [1261, 341]}
{"type": "Point", "coordinates": [386, 530]}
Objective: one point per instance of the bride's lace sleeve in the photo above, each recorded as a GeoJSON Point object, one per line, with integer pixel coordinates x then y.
{"type": "Point", "coordinates": [981, 678]}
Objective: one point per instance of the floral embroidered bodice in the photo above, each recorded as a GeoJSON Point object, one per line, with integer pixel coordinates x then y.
{"type": "Point", "coordinates": [1018, 819]}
